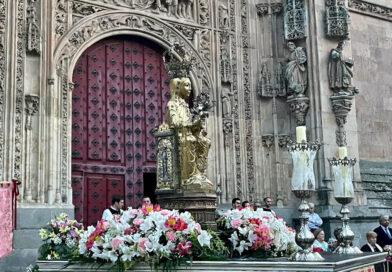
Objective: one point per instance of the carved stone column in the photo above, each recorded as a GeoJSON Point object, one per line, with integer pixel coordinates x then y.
{"type": "Point", "coordinates": [341, 106]}
{"type": "Point", "coordinates": [31, 103]}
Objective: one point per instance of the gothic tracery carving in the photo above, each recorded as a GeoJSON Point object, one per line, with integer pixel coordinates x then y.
{"type": "Point", "coordinates": [295, 20]}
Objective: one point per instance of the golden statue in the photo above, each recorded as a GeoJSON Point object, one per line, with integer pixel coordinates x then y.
{"type": "Point", "coordinates": [193, 145]}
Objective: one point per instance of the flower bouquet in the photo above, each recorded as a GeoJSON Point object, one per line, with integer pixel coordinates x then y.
{"type": "Point", "coordinates": [257, 234]}
{"type": "Point", "coordinates": [60, 238]}
{"type": "Point", "coordinates": [150, 234]}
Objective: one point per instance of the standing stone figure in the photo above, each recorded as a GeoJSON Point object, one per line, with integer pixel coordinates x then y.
{"type": "Point", "coordinates": [340, 71]}
{"type": "Point", "coordinates": [296, 74]}
{"type": "Point", "coordinates": [193, 143]}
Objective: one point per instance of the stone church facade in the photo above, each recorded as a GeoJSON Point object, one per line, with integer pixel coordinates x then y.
{"type": "Point", "coordinates": [239, 49]}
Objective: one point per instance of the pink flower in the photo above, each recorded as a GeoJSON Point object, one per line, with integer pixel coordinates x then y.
{"type": "Point", "coordinates": [184, 248]}
{"type": "Point", "coordinates": [171, 236]}
{"type": "Point", "coordinates": [105, 225]}
{"type": "Point", "coordinates": [133, 212]}
{"type": "Point", "coordinates": [89, 244]}
{"type": "Point", "coordinates": [116, 242]}
{"type": "Point", "coordinates": [138, 221]}
{"type": "Point", "coordinates": [236, 223]}
{"type": "Point", "coordinates": [165, 212]}
{"type": "Point", "coordinates": [198, 227]}
{"type": "Point", "coordinates": [142, 242]}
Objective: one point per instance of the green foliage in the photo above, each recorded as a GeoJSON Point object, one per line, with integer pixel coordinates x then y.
{"type": "Point", "coordinates": [217, 250]}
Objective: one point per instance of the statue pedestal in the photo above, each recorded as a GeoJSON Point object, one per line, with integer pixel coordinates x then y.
{"type": "Point", "coordinates": [200, 203]}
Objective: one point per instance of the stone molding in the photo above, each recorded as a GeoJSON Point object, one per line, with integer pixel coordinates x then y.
{"type": "Point", "coordinates": [33, 33]}
{"type": "Point", "coordinates": [370, 9]}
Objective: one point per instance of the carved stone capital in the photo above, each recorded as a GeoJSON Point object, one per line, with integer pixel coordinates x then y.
{"type": "Point", "coordinates": [269, 8]}
{"type": "Point", "coordinates": [299, 105]}
{"type": "Point", "coordinates": [341, 106]}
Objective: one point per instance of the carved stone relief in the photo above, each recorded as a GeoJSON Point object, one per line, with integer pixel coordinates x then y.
{"type": "Point", "coordinates": [33, 41]}
{"type": "Point", "coordinates": [32, 103]}
{"type": "Point", "coordinates": [179, 9]}
{"type": "Point", "coordinates": [3, 66]}
{"type": "Point", "coordinates": [226, 101]}
{"type": "Point", "coordinates": [371, 9]}
{"type": "Point", "coordinates": [248, 99]}
{"type": "Point", "coordinates": [20, 55]}
{"type": "Point", "coordinates": [61, 17]}
{"type": "Point", "coordinates": [224, 22]}
{"type": "Point", "coordinates": [204, 12]}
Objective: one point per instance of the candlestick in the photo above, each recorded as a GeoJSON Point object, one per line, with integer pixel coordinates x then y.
{"type": "Point", "coordinates": [342, 152]}
{"type": "Point", "coordinates": [301, 134]}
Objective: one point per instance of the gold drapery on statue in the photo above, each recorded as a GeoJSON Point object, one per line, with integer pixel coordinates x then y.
{"type": "Point", "coordinates": [193, 145]}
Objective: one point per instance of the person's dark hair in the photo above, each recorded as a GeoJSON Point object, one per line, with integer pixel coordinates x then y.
{"type": "Point", "coordinates": [244, 203]}
{"type": "Point", "coordinates": [338, 234]}
{"type": "Point", "coordinates": [265, 198]}
{"type": "Point", "coordinates": [145, 196]}
{"type": "Point", "coordinates": [234, 200]}
{"type": "Point", "coordinates": [116, 198]}
{"type": "Point", "coordinates": [317, 232]}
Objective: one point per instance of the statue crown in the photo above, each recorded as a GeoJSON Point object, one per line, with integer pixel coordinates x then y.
{"type": "Point", "coordinates": [177, 68]}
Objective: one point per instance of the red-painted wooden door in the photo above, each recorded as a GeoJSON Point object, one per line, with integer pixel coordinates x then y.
{"type": "Point", "coordinates": [120, 95]}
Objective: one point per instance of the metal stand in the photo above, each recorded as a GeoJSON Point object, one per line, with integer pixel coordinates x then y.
{"type": "Point", "coordinates": [347, 235]}
{"type": "Point", "coordinates": [304, 236]}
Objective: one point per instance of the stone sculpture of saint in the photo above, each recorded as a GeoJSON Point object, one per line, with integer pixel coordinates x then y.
{"type": "Point", "coordinates": [193, 143]}
{"type": "Point", "coordinates": [340, 71]}
{"type": "Point", "coordinates": [296, 75]}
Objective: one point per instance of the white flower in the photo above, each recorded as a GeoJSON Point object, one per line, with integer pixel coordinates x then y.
{"type": "Point", "coordinates": [70, 242]}
{"type": "Point", "coordinates": [204, 238]}
{"type": "Point", "coordinates": [57, 240]}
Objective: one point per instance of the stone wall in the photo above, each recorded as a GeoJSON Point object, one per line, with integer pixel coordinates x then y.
{"type": "Point", "coordinates": [371, 44]}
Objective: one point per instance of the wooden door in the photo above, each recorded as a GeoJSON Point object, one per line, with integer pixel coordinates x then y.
{"type": "Point", "coordinates": [120, 95]}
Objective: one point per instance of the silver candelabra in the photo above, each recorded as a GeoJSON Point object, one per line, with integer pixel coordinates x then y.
{"type": "Point", "coordinates": [303, 186]}
{"type": "Point", "coordinates": [342, 170]}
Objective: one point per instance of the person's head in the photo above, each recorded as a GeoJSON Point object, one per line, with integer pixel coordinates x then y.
{"type": "Point", "coordinates": [146, 200]}
{"type": "Point", "coordinates": [117, 202]}
{"type": "Point", "coordinates": [267, 202]}
{"type": "Point", "coordinates": [245, 204]}
{"type": "Point", "coordinates": [319, 235]}
{"type": "Point", "coordinates": [371, 237]}
{"type": "Point", "coordinates": [236, 202]}
{"type": "Point", "coordinates": [384, 220]}
{"type": "Point", "coordinates": [256, 205]}
{"type": "Point", "coordinates": [311, 207]}
{"type": "Point", "coordinates": [291, 46]}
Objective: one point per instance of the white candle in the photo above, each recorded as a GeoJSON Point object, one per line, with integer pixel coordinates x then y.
{"type": "Point", "coordinates": [301, 134]}
{"type": "Point", "coordinates": [342, 152]}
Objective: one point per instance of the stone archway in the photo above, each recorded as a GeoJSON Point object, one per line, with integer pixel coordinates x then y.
{"type": "Point", "coordinates": [68, 50]}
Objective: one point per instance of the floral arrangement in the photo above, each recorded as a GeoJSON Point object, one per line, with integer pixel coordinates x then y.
{"type": "Point", "coordinates": [257, 233]}
{"type": "Point", "coordinates": [151, 235]}
{"type": "Point", "coordinates": [60, 238]}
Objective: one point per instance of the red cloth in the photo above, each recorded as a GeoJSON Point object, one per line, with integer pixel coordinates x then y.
{"type": "Point", "coordinates": [6, 195]}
